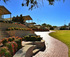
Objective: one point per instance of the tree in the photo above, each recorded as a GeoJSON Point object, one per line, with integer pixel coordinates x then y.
{"type": "Point", "coordinates": [63, 28]}
{"type": "Point", "coordinates": [34, 3]}
{"type": "Point", "coordinates": [51, 28]}
{"type": "Point", "coordinates": [17, 19]}
{"type": "Point", "coordinates": [5, 0]}
{"type": "Point", "coordinates": [21, 19]}
{"type": "Point", "coordinates": [48, 25]}
{"type": "Point", "coordinates": [69, 24]}
{"type": "Point", "coordinates": [54, 26]}
{"type": "Point", "coordinates": [13, 19]}
{"type": "Point", "coordinates": [44, 24]}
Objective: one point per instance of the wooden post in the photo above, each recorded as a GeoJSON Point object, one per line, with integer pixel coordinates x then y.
{"type": "Point", "coordinates": [32, 20]}
{"type": "Point", "coordinates": [10, 17]}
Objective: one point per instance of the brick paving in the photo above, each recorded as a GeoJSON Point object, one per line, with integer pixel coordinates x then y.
{"type": "Point", "coordinates": [54, 47]}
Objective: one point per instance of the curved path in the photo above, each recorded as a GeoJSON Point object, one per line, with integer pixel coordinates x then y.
{"type": "Point", "coordinates": [54, 47]}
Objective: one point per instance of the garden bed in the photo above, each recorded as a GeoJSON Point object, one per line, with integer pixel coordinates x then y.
{"type": "Point", "coordinates": [10, 46]}
{"type": "Point", "coordinates": [41, 29]}
{"type": "Point", "coordinates": [20, 33]}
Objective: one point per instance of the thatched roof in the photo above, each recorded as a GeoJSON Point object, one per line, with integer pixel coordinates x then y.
{"type": "Point", "coordinates": [4, 11]}
{"type": "Point", "coordinates": [27, 17]}
{"type": "Point", "coordinates": [32, 23]}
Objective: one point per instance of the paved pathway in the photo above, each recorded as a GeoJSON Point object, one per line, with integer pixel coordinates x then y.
{"type": "Point", "coordinates": [54, 47]}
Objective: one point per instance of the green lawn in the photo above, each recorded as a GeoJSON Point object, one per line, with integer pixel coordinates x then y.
{"type": "Point", "coordinates": [62, 35]}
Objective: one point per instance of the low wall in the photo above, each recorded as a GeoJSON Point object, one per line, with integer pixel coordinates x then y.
{"type": "Point", "coordinates": [29, 52]}
{"type": "Point", "coordinates": [40, 44]}
{"type": "Point", "coordinates": [19, 33]}
{"type": "Point", "coordinates": [25, 51]}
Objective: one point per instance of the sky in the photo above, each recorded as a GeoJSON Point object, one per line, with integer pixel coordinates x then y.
{"type": "Point", "coordinates": [56, 15]}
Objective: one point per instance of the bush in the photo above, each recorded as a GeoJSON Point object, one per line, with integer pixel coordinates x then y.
{"type": "Point", "coordinates": [15, 46]}
{"type": "Point", "coordinates": [7, 54]}
{"type": "Point", "coordinates": [2, 50]}
{"type": "Point", "coordinates": [10, 39]}
{"type": "Point", "coordinates": [10, 47]}
{"type": "Point", "coordinates": [40, 29]}
{"type": "Point", "coordinates": [16, 28]}
{"type": "Point", "coordinates": [23, 38]}
{"type": "Point", "coordinates": [32, 38]}
{"type": "Point", "coordinates": [51, 28]}
{"type": "Point", "coordinates": [18, 41]}
{"type": "Point", "coordinates": [4, 41]}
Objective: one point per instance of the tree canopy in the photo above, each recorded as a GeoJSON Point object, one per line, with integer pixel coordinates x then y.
{"type": "Point", "coordinates": [31, 4]}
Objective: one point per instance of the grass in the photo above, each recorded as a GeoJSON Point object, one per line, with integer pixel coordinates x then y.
{"type": "Point", "coordinates": [62, 35]}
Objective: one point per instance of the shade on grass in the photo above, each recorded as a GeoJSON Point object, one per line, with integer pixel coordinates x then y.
{"type": "Point", "coordinates": [62, 35]}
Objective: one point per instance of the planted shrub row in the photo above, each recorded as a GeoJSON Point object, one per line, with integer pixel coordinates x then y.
{"type": "Point", "coordinates": [32, 38]}
{"type": "Point", "coordinates": [10, 46]}
{"type": "Point", "coordinates": [13, 44]}
{"type": "Point", "coordinates": [16, 28]}
{"type": "Point", "coordinates": [41, 29]}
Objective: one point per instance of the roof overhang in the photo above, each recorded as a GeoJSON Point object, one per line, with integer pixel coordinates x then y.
{"type": "Point", "coordinates": [32, 23]}
{"type": "Point", "coordinates": [27, 18]}
{"type": "Point", "coordinates": [4, 11]}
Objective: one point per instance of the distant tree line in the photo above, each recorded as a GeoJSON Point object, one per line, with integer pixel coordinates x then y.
{"type": "Point", "coordinates": [64, 27]}
{"type": "Point", "coordinates": [50, 27]}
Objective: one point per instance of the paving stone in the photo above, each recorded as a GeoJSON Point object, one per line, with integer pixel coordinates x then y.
{"type": "Point", "coordinates": [54, 48]}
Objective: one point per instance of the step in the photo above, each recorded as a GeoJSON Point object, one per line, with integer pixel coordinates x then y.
{"type": "Point", "coordinates": [35, 51]}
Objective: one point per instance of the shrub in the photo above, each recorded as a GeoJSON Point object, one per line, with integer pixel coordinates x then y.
{"type": "Point", "coordinates": [18, 41]}
{"type": "Point", "coordinates": [10, 39]}
{"type": "Point", "coordinates": [3, 50]}
{"type": "Point", "coordinates": [38, 39]}
{"type": "Point", "coordinates": [7, 54]}
{"type": "Point", "coordinates": [16, 46]}
{"type": "Point", "coordinates": [16, 28]}
{"type": "Point", "coordinates": [26, 38]}
{"type": "Point", "coordinates": [32, 38]}
{"type": "Point", "coordinates": [10, 47]}
{"type": "Point", "coordinates": [23, 38]}
{"type": "Point", "coordinates": [4, 41]}
{"type": "Point", "coordinates": [51, 28]}
{"type": "Point", "coordinates": [12, 28]}
{"type": "Point", "coordinates": [40, 29]}
{"type": "Point", "coordinates": [12, 44]}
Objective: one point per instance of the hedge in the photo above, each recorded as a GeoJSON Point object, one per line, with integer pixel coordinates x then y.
{"type": "Point", "coordinates": [32, 38]}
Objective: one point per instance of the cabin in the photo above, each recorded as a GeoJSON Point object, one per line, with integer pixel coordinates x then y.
{"type": "Point", "coordinates": [4, 11]}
